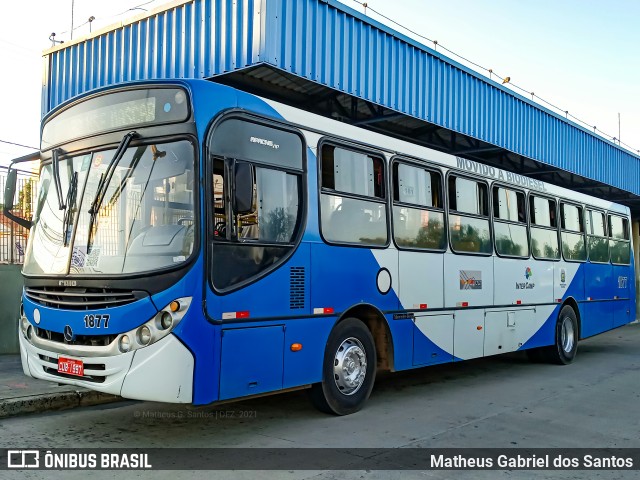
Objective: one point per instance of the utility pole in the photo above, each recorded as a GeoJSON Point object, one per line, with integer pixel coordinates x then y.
{"type": "Point", "coordinates": [619, 141]}
{"type": "Point", "coordinates": [72, 5]}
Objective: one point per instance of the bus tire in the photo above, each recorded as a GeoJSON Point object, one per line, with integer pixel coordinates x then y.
{"type": "Point", "coordinates": [563, 351]}
{"type": "Point", "coordinates": [348, 370]}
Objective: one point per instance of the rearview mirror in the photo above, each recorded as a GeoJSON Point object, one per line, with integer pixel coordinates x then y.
{"type": "Point", "coordinates": [10, 189]}
{"type": "Point", "coordinates": [9, 195]}
{"type": "Point", "coordinates": [243, 191]}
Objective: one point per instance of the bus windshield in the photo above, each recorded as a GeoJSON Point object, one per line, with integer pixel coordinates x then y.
{"type": "Point", "coordinates": [144, 222]}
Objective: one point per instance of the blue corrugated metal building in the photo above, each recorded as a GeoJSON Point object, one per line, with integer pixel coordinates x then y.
{"type": "Point", "coordinates": [330, 59]}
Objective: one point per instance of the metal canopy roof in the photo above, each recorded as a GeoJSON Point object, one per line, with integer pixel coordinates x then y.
{"type": "Point", "coordinates": [330, 59]}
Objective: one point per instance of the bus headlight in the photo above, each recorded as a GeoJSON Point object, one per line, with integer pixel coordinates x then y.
{"type": "Point", "coordinates": [166, 320]}
{"type": "Point", "coordinates": [143, 335]}
{"type": "Point", "coordinates": [155, 329]}
{"type": "Point", "coordinates": [124, 344]}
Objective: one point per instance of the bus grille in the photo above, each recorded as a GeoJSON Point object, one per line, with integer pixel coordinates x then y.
{"type": "Point", "coordinates": [81, 298]}
{"type": "Point", "coordinates": [83, 340]}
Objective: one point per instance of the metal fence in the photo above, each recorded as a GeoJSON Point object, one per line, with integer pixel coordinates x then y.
{"type": "Point", "coordinates": [13, 237]}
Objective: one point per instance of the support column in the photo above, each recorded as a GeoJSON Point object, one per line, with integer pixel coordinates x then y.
{"type": "Point", "coordinates": [635, 238]}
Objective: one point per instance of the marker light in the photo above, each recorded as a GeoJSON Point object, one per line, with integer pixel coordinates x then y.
{"type": "Point", "coordinates": [179, 97]}
{"type": "Point", "coordinates": [296, 347]}
{"type": "Point", "coordinates": [174, 306]}
{"type": "Point", "coordinates": [143, 335]}
{"type": "Point", "coordinates": [124, 344]}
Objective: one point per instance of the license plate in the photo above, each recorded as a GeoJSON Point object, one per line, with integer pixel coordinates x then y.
{"type": "Point", "coordinates": [70, 366]}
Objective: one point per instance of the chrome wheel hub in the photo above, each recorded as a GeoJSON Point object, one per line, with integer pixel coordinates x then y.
{"type": "Point", "coordinates": [350, 366]}
{"type": "Point", "coordinates": [567, 335]}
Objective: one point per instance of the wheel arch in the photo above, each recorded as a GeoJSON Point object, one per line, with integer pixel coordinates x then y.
{"type": "Point", "coordinates": [377, 324]}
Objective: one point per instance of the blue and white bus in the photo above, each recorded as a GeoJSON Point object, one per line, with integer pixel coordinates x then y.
{"type": "Point", "coordinates": [195, 243]}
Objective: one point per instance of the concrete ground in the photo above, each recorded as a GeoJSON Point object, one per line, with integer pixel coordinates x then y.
{"type": "Point", "coordinates": [501, 402]}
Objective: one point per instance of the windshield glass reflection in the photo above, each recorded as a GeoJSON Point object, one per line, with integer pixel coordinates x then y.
{"type": "Point", "coordinates": [145, 220]}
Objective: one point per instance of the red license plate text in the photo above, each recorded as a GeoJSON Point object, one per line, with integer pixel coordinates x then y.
{"type": "Point", "coordinates": [70, 366]}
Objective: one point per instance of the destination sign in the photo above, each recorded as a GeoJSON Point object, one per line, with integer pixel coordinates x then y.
{"type": "Point", "coordinates": [499, 174]}
{"type": "Point", "coordinates": [116, 111]}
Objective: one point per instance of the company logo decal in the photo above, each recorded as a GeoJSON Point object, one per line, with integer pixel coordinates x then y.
{"type": "Point", "coordinates": [563, 278]}
{"type": "Point", "coordinates": [470, 280]}
{"type": "Point", "coordinates": [526, 285]}
{"type": "Point", "coordinates": [68, 334]}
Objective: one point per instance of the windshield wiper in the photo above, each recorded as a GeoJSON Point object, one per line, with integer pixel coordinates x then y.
{"type": "Point", "coordinates": [68, 214]}
{"type": "Point", "coordinates": [132, 168]}
{"type": "Point", "coordinates": [56, 178]}
{"type": "Point", "coordinates": [103, 184]}
{"type": "Point", "coordinates": [105, 178]}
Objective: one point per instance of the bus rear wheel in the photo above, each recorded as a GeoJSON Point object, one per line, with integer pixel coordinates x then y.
{"type": "Point", "coordinates": [348, 370]}
{"type": "Point", "coordinates": [564, 350]}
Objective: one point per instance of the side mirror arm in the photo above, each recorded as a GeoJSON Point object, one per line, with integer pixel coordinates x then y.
{"type": "Point", "coordinates": [10, 190]}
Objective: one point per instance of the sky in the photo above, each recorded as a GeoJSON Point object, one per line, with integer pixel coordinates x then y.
{"type": "Point", "coordinates": [580, 55]}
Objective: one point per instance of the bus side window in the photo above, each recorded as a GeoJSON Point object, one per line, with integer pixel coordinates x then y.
{"type": "Point", "coordinates": [597, 243]}
{"type": "Point", "coordinates": [418, 216]}
{"type": "Point", "coordinates": [276, 203]}
{"type": "Point", "coordinates": [544, 228]}
{"type": "Point", "coordinates": [572, 232]}
{"type": "Point", "coordinates": [353, 198]}
{"type": "Point", "coordinates": [510, 225]}
{"type": "Point", "coordinates": [619, 242]}
{"type": "Point", "coordinates": [469, 216]}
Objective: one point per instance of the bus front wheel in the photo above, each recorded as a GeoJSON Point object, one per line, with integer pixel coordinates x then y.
{"type": "Point", "coordinates": [563, 351]}
{"type": "Point", "coordinates": [348, 370]}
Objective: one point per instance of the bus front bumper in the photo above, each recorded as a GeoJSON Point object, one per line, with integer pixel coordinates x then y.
{"type": "Point", "coordinates": [161, 372]}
